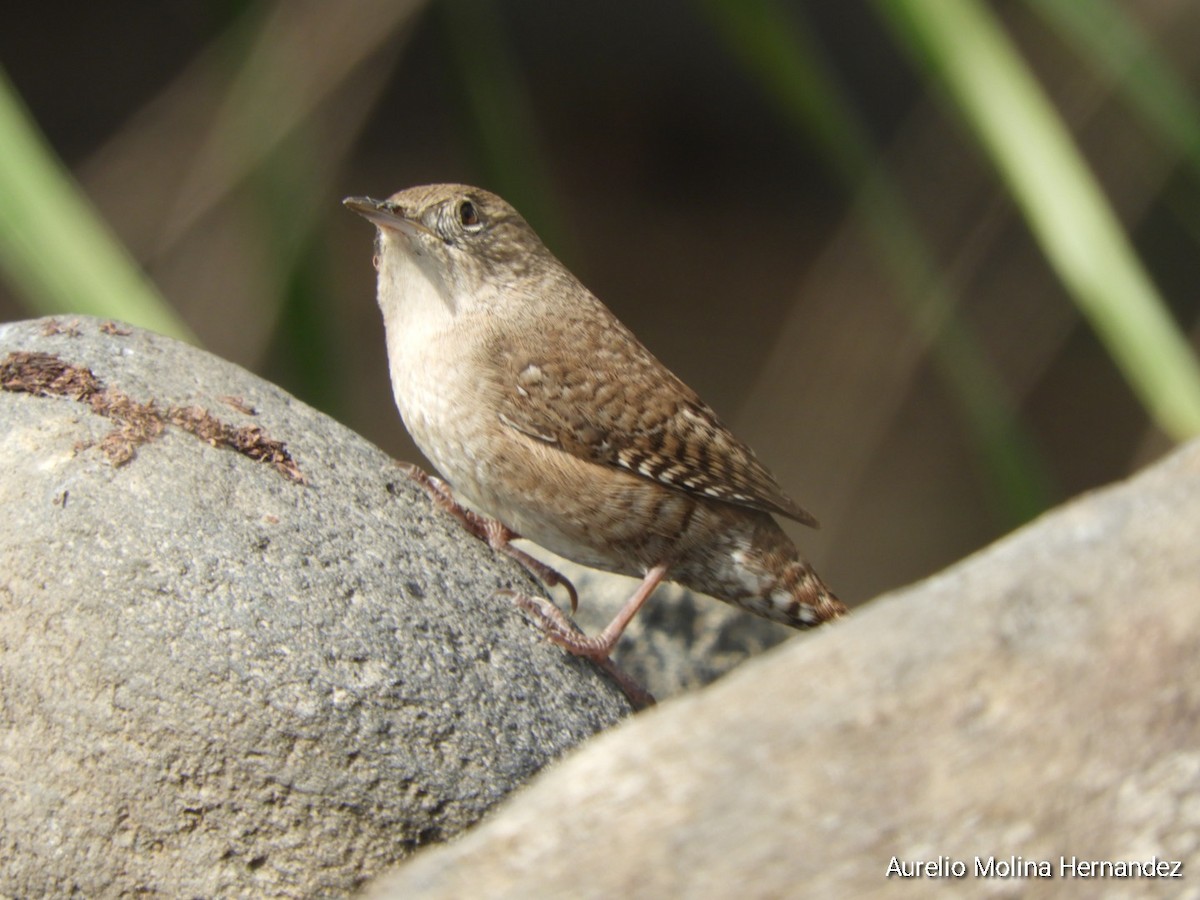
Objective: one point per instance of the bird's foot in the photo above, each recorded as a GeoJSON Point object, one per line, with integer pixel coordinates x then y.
{"type": "Point", "coordinates": [562, 631]}
{"type": "Point", "coordinates": [491, 531]}
{"type": "Point", "coordinates": [554, 623]}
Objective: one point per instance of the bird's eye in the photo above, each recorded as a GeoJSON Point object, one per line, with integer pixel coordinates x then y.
{"type": "Point", "coordinates": [468, 215]}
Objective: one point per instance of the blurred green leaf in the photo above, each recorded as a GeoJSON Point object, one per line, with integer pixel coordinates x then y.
{"type": "Point", "coordinates": [1114, 43]}
{"type": "Point", "coordinates": [305, 347]}
{"type": "Point", "coordinates": [54, 248]}
{"type": "Point", "coordinates": [787, 60]}
{"type": "Point", "coordinates": [502, 116]}
{"type": "Point", "coordinates": [965, 48]}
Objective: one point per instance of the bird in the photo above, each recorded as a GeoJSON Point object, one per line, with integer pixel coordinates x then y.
{"type": "Point", "coordinates": [551, 421]}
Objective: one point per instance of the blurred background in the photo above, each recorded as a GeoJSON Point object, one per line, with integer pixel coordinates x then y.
{"type": "Point", "coordinates": [936, 260]}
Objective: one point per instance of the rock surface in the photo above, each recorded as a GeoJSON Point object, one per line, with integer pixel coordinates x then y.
{"type": "Point", "coordinates": [218, 681]}
{"type": "Point", "coordinates": [1039, 700]}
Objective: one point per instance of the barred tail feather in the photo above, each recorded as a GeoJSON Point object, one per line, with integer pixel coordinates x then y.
{"type": "Point", "coordinates": [749, 562]}
{"type": "Point", "coordinates": [801, 599]}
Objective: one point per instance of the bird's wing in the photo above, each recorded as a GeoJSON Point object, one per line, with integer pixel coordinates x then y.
{"type": "Point", "coordinates": [598, 394]}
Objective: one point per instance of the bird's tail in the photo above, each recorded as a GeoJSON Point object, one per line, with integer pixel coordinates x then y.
{"type": "Point", "coordinates": [751, 563]}
{"type": "Point", "coordinates": [800, 598]}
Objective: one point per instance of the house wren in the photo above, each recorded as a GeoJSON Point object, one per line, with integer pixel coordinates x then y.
{"type": "Point", "coordinates": [546, 413]}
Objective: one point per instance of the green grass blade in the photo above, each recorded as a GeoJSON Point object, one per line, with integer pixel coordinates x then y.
{"type": "Point", "coordinates": [787, 62]}
{"type": "Point", "coordinates": [54, 248]}
{"type": "Point", "coordinates": [1115, 44]}
{"type": "Point", "coordinates": [501, 114]}
{"type": "Point", "coordinates": [964, 46]}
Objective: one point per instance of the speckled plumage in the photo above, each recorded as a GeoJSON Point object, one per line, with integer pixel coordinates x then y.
{"type": "Point", "coordinates": [545, 412]}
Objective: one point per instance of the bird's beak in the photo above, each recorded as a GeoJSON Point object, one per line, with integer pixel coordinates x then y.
{"type": "Point", "coordinates": [383, 214]}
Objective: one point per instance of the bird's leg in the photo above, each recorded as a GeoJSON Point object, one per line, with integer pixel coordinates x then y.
{"type": "Point", "coordinates": [499, 537]}
{"type": "Point", "coordinates": [493, 532]}
{"type": "Point", "coordinates": [564, 633]}
{"type": "Point", "coordinates": [560, 629]}
{"type": "Point", "coordinates": [553, 622]}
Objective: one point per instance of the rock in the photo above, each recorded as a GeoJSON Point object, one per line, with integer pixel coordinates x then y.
{"type": "Point", "coordinates": [240, 653]}
{"type": "Point", "coordinates": [1040, 700]}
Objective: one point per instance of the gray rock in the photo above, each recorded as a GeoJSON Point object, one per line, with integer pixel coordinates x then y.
{"type": "Point", "coordinates": [218, 681]}
{"type": "Point", "coordinates": [1040, 700]}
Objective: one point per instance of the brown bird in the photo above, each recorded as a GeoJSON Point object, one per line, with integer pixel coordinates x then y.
{"type": "Point", "coordinates": [546, 413]}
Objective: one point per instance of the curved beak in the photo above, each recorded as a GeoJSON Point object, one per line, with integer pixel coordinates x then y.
{"type": "Point", "coordinates": [383, 214]}
{"type": "Point", "coordinates": [376, 211]}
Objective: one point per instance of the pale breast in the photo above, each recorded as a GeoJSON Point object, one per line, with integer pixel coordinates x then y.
{"type": "Point", "coordinates": [447, 392]}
